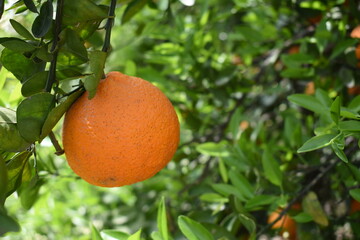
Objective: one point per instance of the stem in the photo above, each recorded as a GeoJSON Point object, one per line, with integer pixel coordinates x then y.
{"type": "Point", "coordinates": [59, 150]}
{"type": "Point", "coordinates": [108, 26]}
{"type": "Point", "coordinates": [54, 48]}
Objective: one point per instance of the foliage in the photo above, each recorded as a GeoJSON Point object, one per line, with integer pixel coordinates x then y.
{"type": "Point", "coordinates": [266, 92]}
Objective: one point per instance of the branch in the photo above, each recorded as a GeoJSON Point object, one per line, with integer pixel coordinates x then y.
{"type": "Point", "coordinates": [108, 26]}
{"type": "Point", "coordinates": [59, 150]}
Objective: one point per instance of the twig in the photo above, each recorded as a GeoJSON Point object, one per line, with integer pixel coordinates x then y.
{"type": "Point", "coordinates": [59, 150]}
{"type": "Point", "coordinates": [108, 26]}
{"type": "Point", "coordinates": [298, 196]}
{"type": "Point", "coordinates": [54, 48]}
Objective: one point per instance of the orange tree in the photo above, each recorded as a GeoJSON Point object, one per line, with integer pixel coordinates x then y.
{"type": "Point", "coordinates": [253, 140]}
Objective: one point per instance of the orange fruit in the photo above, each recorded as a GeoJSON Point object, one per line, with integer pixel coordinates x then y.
{"type": "Point", "coordinates": [294, 49]}
{"type": "Point", "coordinates": [355, 206]}
{"type": "Point", "coordinates": [355, 33]}
{"type": "Point", "coordinates": [310, 88]}
{"type": "Point", "coordinates": [127, 133]}
{"type": "Point", "coordinates": [286, 224]}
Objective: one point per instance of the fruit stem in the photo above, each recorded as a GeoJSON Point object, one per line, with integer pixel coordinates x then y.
{"type": "Point", "coordinates": [108, 26]}
{"type": "Point", "coordinates": [54, 141]}
{"type": "Point", "coordinates": [54, 48]}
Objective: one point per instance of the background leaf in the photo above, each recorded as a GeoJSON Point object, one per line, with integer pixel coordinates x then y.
{"type": "Point", "coordinates": [193, 230]}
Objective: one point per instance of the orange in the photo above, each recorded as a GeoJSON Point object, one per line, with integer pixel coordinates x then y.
{"type": "Point", "coordinates": [286, 224]}
{"type": "Point", "coordinates": [310, 88]}
{"type": "Point", "coordinates": [355, 33]}
{"type": "Point", "coordinates": [127, 133]}
{"type": "Point", "coordinates": [355, 206]}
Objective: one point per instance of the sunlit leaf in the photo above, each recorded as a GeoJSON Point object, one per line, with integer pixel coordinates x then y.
{"type": "Point", "coordinates": [193, 230]}
{"type": "Point", "coordinates": [316, 142]}
{"type": "Point", "coordinates": [213, 149]}
{"type": "Point", "coordinates": [135, 236]}
{"type": "Point", "coordinates": [118, 235]}
{"type": "Point", "coordinates": [335, 110]}
{"type": "Point", "coordinates": [308, 102]}
{"type": "Point", "coordinates": [312, 206]}
{"type": "Point", "coordinates": [95, 234]}
{"type": "Point", "coordinates": [162, 220]}
{"type": "Point", "coordinates": [21, 30]}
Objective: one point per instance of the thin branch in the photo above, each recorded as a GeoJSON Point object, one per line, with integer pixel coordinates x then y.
{"type": "Point", "coordinates": [59, 150]}
{"type": "Point", "coordinates": [108, 26]}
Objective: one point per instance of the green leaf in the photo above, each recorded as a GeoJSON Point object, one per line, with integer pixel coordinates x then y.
{"type": "Point", "coordinates": [97, 64]}
{"type": "Point", "coordinates": [72, 51]}
{"type": "Point", "coordinates": [298, 72]}
{"type": "Point", "coordinates": [43, 53]}
{"type": "Point", "coordinates": [2, 5]}
{"type": "Point", "coordinates": [316, 142]}
{"type": "Point", "coordinates": [8, 224]}
{"type": "Point", "coordinates": [297, 59]}
{"type": "Point", "coordinates": [19, 65]}
{"type": "Point", "coordinates": [3, 181]}
{"type": "Point", "coordinates": [312, 206]}
{"type": "Point", "coordinates": [354, 171]}
{"type": "Point", "coordinates": [227, 190]}
{"type": "Point", "coordinates": [213, 197]}
{"type": "Point", "coordinates": [341, 46]}
{"type": "Point", "coordinates": [132, 8]}
{"type": "Point", "coordinates": [259, 201]}
{"type": "Point", "coordinates": [115, 234]}
{"type": "Point", "coordinates": [77, 12]}
{"type": "Point", "coordinates": [349, 113]}
{"type": "Point", "coordinates": [223, 171]}
{"type": "Point", "coordinates": [339, 152]}
{"type": "Point", "coordinates": [43, 21]}
{"type": "Point", "coordinates": [10, 139]}
{"type": "Point", "coordinates": [135, 236]}
{"type": "Point", "coordinates": [31, 6]}
{"type": "Point", "coordinates": [193, 230]}
{"type": "Point", "coordinates": [56, 113]}
{"type": "Point", "coordinates": [162, 220]}
{"type": "Point", "coordinates": [32, 113]}
{"type": "Point", "coordinates": [302, 217]}
{"type": "Point", "coordinates": [18, 45]}
{"type": "Point", "coordinates": [241, 183]}
{"type": "Point", "coordinates": [29, 192]}
{"type": "Point", "coordinates": [21, 30]}
{"type": "Point", "coordinates": [271, 168]}
{"type": "Point", "coordinates": [35, 84]}
{"type": "Point", "coordinates": [248, 222]}
{"type": "Point", "coordinates": [15, 168]}
{"type": "Point", "coordinates": [349, 126]}
{"type": "Point", "coordinates": [355, 194]}
{"type": "Point", "coordinates": [323, 97]}
{"type": "Point", "coordinates": [308, 102]}
{"type": "Point", "coordinates": [335, 110]}
{"type": "Point", "coordinates": [355, 104]}
{"type": "Point", "coordinates": [213, 149]}
{"type": "Point", "coordinates": [95, 235]}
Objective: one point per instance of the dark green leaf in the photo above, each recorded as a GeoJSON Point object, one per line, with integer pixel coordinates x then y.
{"type": "Point", "coordinates": [32, 113]}
{"type": "Point", "coordinates": [132, 8]}
{"type": "Point", "coordinates": [298, 72]}
{"type": "Point", "coordinates": [335, 110]}
{"type": "Point", "coordinates": [97, 64]}
{"type": "Point", "coordinates": [3, 181]}
{"type": "Point", "coordinates": [312, 206]}
{"type": "Point", "coordinates": [21, 30]}
{"type": "Point", "coordinates": [76, 12]}
{"type": "Point", "coordinates": [2, 6]}
{"type": "Point", "coordinates": [19, 65]}
{"type": "Point", "coordinates": [297, 59]}
{"type": "Point", "coordinates": [15, 168]}
{"type": "Point", "coordinates": [18, 45]}
{"type": "Point", "coordinates": [10, 139]}
{"type": "Point", "coordinates": [316, 142]}
{"type": "Point", "coordinates": [349, 126]}
{"type": "Point", "coordinates": [72, 51]}
{"type": "Point", "coordinates": [56, 113]}
{"type": "Point", "coordinates": [354, 171]}
{"type": "Point", "coordinates": [7, 224]}
{"type": "Point", "coordinates": [34, 84]}
{"type": "Point", "coordinates": [43, 53]}
{"type": "Point", "coordinates": [355, 104]}
{"type": "Point", "coordinates": [43, 21]}
{"type": "Point", "coordinates": [308, 102]}
{"type": "Point", "coordinates": [30, 5]}
{"type": "Point", "coordinates": [271, 168]}
{"type": "Point", "coordinates": [260, 201]}
{"type": "Point", "coordinates": [193, 230]}
{"type": "Point", "coordinates": [241, 183]}
{"type": "Point", "coordinates": [248, 222]}
{"type": "Point", "coordinates": [227, 190]}
{"type": "Point", "coordinates": [355, 194]}
{"type": "Point", "coordinates": [29, 192]}
{"type": "Point", "coordinates": [341, 46]}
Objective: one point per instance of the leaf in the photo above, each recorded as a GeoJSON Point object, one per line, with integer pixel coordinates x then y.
{"type": "Point", "coordinates": [31, 6]}
{"type": "Point", "coordinates": [248, 222]}
{"type": "Point", "coordinates": [339, 152]}
{"type": "Point", "coordinates": [29, 192]}
{"type": "Point", "coordinates": [10, 139]}
{"type": "Point", "coordinates": [18, 45]}
{"type": "Point", "coordinates": [72, 51]}
{"type": "Point", "coordinates": [354, 171]}
{"type": "Point", "coordinates": [135, 236]}
{"type": "Point", "coordinates": [259, 201]}
{"type": "Point", "coordinates": [21, 30]}
{"type": "Point", "coordinates": [355, 194]}
{"type": "Point", "coordinates": [298, 72]}
{"type": "Point", "coordinates": [132, 8]}
{"type": "Point", "coordinates": [193, 230]}
{"type": "Point", "coordinates": [43, 21]}
{"type": "Point", "coordinates": [227, 190]}
{"type": "Point", "coordinates": [316, 142]}
{"type": "Point", "coordinates": [162, 220]}
{"type": "Point", "coordinates": [115, 234]}
{"type": "Point", "coordinates": [213, 149]}
{"type": "Point", "coordinates": [56, 113]}
{"type": "Point", "coordinates": [312, 206]}
{"type": "Point", "coordinates": [95, 235]}
{"type": "Point", "coordinates": [2, 6]}
{"type": "Point", "coordinates": [302, 217]}
{"type": "Point", "coordinates": [323, 97]}
{"type": "Point", "coordinates": [213, 197]}
{"type": "Point", "coordinates": [19, 65]}
{"type": "Point", "coordinates": [32, 113]}
{"type": "Point", "coordinates": [341, 46]}
{"type": "Point", "coordinates": [3, 181]}
{"type": "Point", "coordinates": [355, 104]}
{"type": "Point", "coordinates": [8, 224]}
{"type": "Point", "coordinates": [241, 183]}
{"type": "Point", "coordinates": [35, 84]}
{"type": "Point", "coordinates": [349, 126]}
{"type": "Point", "coordinates": [76, 12]}
{"type": "Point", "coordinates": [97, 63]}
{"type": "Point", "coordinates": [335, 110]}
{"type": "Point", "coordinates": [271, 168]}
{"type": "Point", "coordinates": [297, 59]}
{"type": "Point", "coordinates": [308, 102]}
{"type": "Point", "coordinates": [15, 168]}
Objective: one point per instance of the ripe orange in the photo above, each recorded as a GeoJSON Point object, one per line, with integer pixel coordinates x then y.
{"type": "Point", "coordinates": [127, 133]}
{"type": "Point", "coordinates": [355, 33]}
{"type": "Point", "coordinates": [286, 224]}
{"type": "Point", "coordinates": [355, 206]}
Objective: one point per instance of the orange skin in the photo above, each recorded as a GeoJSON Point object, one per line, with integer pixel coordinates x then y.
{"type": "Point", "coordinates": [310, 88]}
{"type": "Point", "coordinates": [355, 206]}
{"type": "Point", "coordinates": [286, 223]}
{"type": "Point", "coordinates": [127, 133]}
